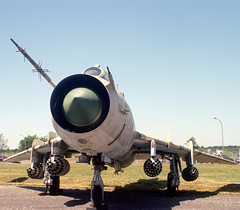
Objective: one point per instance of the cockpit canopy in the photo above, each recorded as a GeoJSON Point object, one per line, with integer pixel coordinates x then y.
{"type": "Point", "coordinates": [96, 71]}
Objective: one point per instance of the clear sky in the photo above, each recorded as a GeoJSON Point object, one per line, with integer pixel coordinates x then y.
{"type": "Point", "coordinates": [177, 62]}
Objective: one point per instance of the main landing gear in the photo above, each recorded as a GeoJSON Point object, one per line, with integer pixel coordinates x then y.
{"type": "Point", "coordinates": [52, 185]}
{"type": "Point", "coordinates": [173, 180]}
{"type": "Point", "coordinates": [52, 180]}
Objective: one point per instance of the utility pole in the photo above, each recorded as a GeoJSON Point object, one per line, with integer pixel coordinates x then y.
{"type": "Point", "coordinates": [215, 118]}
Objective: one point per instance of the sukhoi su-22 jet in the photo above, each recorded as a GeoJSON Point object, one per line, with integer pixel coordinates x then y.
{"type": "Point", "coordinates": [93, 119]}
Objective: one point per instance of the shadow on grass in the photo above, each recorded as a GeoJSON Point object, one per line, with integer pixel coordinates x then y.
{"type": "Point", "coordinates": [230, 188]}
{"type": "Point", "coordinates": [19, 180]}
{"type": "Point", "coordinates": [159, 185]}
{"type": "Point", "coordinates": [144, 185]}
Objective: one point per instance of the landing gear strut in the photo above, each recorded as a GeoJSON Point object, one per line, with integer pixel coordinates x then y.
{"type": "Point", "coordinates": [52, 184]}
{"type": "Point", "coordinates": [173, 180]}
{"type": "Point", "coordinates": [97, 188]}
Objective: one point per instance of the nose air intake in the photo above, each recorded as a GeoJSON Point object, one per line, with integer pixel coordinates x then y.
{"type": "Point", "coordinates": [79, 103]}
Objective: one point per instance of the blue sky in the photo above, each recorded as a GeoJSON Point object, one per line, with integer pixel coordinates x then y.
{"type": "Point", "coordinates": [177, 63]}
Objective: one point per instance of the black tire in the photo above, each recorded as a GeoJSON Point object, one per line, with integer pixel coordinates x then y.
{"type": "Point", "coordinates": [97, 196]}
{"type": "Point", "coordinates": [54, 188]}
{"type": "Point", "coordinates": [170, 189]}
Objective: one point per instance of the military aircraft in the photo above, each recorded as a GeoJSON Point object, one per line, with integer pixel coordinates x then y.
{"type": "Point", "coordinates": [93, 119]}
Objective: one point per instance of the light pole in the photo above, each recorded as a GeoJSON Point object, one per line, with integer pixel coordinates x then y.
{"type": "Point", "coordinates": [215, 118]}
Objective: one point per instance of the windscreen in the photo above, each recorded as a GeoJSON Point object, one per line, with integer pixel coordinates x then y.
{"type": "Point", "coordinates": [96, 71]}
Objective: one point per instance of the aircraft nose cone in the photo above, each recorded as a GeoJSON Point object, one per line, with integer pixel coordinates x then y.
{"type": "Point", "coordinates": [82, 107]}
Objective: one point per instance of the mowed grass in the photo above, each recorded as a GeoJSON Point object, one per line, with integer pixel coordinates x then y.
{"type": "Point", "coordinates": [212, 178]}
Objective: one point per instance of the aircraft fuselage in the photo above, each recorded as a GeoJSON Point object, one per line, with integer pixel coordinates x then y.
{"type": "Point", "coordinates": [91, 116]}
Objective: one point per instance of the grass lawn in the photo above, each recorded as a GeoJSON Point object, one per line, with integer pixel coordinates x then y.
{"type": "Point", "coordinates": [212, 178]}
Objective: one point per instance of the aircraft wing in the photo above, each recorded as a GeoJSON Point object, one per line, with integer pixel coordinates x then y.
{"type": "Point", "coordinates": [142, 145]}
{"type": "Point", "coordinates": [24, 155]}
{"type": "Point", "coordinates": [41, 148]}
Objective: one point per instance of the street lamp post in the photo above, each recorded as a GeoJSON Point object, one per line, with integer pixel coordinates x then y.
{"type": "Point", "coordinates": [215, 118]}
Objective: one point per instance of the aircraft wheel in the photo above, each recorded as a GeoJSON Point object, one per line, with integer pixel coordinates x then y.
{"type": "Point", "coordinates": [97, 196]}
{"type": "Point", "coordinates": [54, 188]}
{"type": "Point", "coordinates": [170, 188]}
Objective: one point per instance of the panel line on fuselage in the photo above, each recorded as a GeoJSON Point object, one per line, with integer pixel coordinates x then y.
{"type": "Point", "coordinates": [118, 135]}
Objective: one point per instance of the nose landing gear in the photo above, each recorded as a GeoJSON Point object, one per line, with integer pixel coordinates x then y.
{"type": "Point", "coordinates": [97, 188]}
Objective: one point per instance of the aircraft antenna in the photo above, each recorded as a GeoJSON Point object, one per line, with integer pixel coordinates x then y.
{"type": "Point", "coordinates": [38, 68]}
{"type": "Point", "coordinates": [35, 70]}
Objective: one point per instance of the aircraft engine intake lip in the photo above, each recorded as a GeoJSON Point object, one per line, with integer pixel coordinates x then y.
{"type": "Point", "coordinates": [79, 103]}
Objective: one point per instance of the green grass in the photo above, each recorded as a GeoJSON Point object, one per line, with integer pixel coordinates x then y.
{"type": "Point", "coordinates": [212, 178]}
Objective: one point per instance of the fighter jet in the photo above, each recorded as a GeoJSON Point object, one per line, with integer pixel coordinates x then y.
{"type": "Point", "coordinates": [92, 118]}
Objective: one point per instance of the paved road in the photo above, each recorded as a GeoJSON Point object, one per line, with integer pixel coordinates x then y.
{"type": "Point", "coordinates": [13, 197]}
